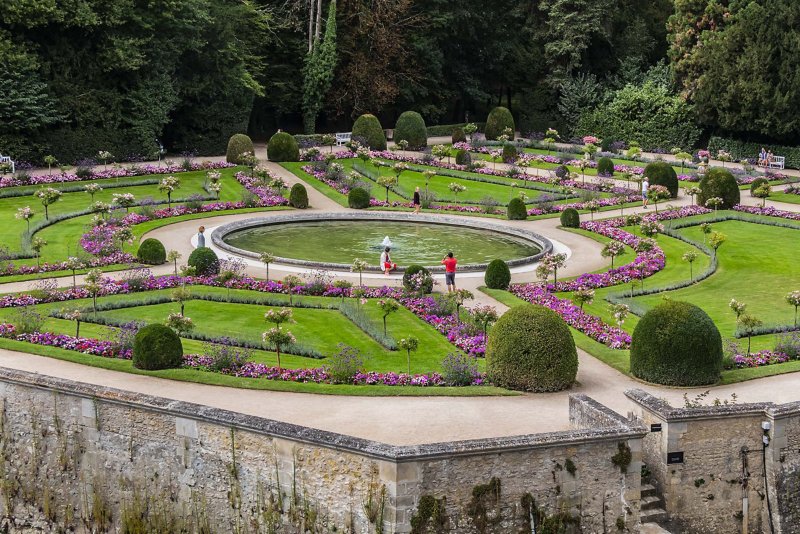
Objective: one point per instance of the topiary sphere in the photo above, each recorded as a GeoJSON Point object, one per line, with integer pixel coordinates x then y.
{"type": "Point", "coordinates": [368, 128]}
{"type": "Point", "coordinates": [570, 218]}
{"type": "Point", "coordinates": [661, 173]}
{"type": "Point", "coordinates": [605, 144]}
{"type": "Point", "coordinates": [498, 275]}
{"type": "Point", "coordinates": [411, 270]}
{"type": "Point", "coordinates": [719, 182]}
{"type": "Point", "coordinates": [283, 147]}
{"type": "Point", "coordinates": [151, 252]}
{"type": "Point", "coordinates": [561, 171]}
{"type": "Point", "coordinates": [517, 210]}
{"type": "Point", "coordinates": [411, 127]}
{"type": "Point", "coordinates": [458, 135]}
{"type": "Point", "coordinates": [463, 157]}
{"type": "Point", "coordinates": [157, 347]}
{"type": "Point", "coordinates": [498, 120]}
{"type": "Point", "coordinates": [531, 349]}
{"type": "Point", "coordinates": [509, 153]}
{"type": "Point", "coordinates": [298, 197]}
{"type": "Point", "coordinates": [358, 198]}
{"type": "Point", "coordinates": [238, 144]}
{"type": "Point", "coordinates": [204, 260]}
{"type": "Point", "coordinates": [755, 184]}
{"type": "Point", "coordinates": [676, 344]}
{"type": "Point", "coordinates": [605, 167]}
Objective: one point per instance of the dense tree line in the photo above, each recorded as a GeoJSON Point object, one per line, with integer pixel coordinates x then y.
{"type": "Point", "coordinates": [79, 76]}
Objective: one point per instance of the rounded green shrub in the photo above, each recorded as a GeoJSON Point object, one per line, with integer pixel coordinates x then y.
{"type": "Point", "coordinates": [570, 218]}
{"type": "Point", "coordinates": [458, 135]}
{"type": "Point", "coordinates": [676, 344]}
{"type": "Point", "coordinates": [463, 157]}
{"type": "Point", "coordinates": [606, 144]}
{"type": "Point", "coordinates": [530, 348]}
{"type": "Point", "coordinates": [498, 120]}
{"type": "Point", "coordinates": [157, 347]}
{"type": "Point", "coordinates": [283, 147]}
{"type": "Point", "coordinates": [358, 198]}
{"type": "Point", "coordinates": [298, 197]}
{"type": "Point", "coordinates": [411, 270]}
{"type": "Point", "coordinates": [719, 182]}
{"type": "Point", "coordinates": [151, 252]}
{"type": "Point", "coordinates": [411, 127]}
{"type": "Point", "coordinates": [755, 184]}
{"type": "Point", "coordinates": [498, 275]}
{"type": "Point", "coordinates": [517, 210]}
{"type": "Point", "coordinates": [204, 261]}
{"type": "Point", "coordinates": [238, 144]}
{"type": "Point", "coordinates": [605, 167]}
{"type": "Point", "coordinates": [509, 153]}
{"type": "Point", "coordinates": [662, 173]}
{"type": "Point", "coordinates": [562, 171]}
{"type": "Point", "coordinates": [368, 128]}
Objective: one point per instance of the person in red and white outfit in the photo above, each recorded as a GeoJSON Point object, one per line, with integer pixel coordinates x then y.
{"type": "Point", "coordinates": [386, 262]}
{"type": "Point", "coordinates": [449, 263]}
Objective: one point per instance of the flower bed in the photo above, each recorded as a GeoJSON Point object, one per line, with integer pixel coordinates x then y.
{"type": "Point", "coordinates": [759, 359]}
{"type": "Point", "coordinates": [768, 211]}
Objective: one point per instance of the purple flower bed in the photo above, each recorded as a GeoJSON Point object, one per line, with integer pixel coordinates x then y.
{"type": "Point", "coordinates": [768, 211]}
{"type": "Point", "coordinates": [759, 359]}
{"type": "Point", "coordinates": [10, 269]}
{"type": "Point", "coordinates": [85, 345]}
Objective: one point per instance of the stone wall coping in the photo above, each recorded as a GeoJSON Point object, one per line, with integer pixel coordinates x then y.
{"type": "Point", "coordinates": [669, 413]}
{"type": "Point", "coordinates": [219, 234]}
{"type": "Point", "coordinates": [622, 423]}
{"type": "Point", "coordinates": [332, 440]}
{"type": "Point", "coordinates": [785, 410]}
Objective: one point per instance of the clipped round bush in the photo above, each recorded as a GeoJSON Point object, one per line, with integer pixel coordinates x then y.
{"type": "Point", "coordinates": [662, 173]}
{"type": "Point", "coordinates": [411, 127]}
{"type": "Point", "coordinates": [755, 184]}
{"type": "Point", "coordinates": [498, 120]}
{"type": "Point", "coordinates": [606, 144]}
{"type": "Point", "coordinates": [298, 197]}
{"type": "Point", "coordinates": [719, 182]}
{"type": "Point", "coordinates": [530, 348]}
{"type": "Point", "coordinates": [605, 167]}
{"type": "Point", "coordinates": [151, 252]}
{"type": "Point", "coordinates": [458, 135]}
{"type": "Point", "coordinates": [561, 171]}
{"type": "Point", "coordinates": [509, 153]}
{"type": "Point", "coordinates": [570, 218]}
{"type": "Point", "coordinates": [676, 344]}
{"type": "Point", "coordinates": [156, 347]}
{"type": "Point", "coordinates": [204, 260]}
{"type": "Point", "coordinates": [369, 128]}
{"type": "Point", "coordinates": [283, 147]}
{"type": "Point", "coordinates": [463, 157]}
{"type": "Point", "coordinates": [358, 198]}
{"type": "Point", "coordinates": [517, 210]}
{"type": "Point", "coordinates": [411, 270]}
{"type": "Point", "coordinates": [238, 144]}
{"type": "Point", "coordinates": [498, 275]}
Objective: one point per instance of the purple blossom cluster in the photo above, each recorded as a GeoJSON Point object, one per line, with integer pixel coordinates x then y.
{"type": "Point", "coordinates": [85, 345]}
{"type": "Point", "coordinates": [10, 268]}
{"type": "Point", "coordinates": [758, 359]}
{"type": "Point", "coordinates": [599, 202]}
{"type": "Point", "coordinates": [768, 211]}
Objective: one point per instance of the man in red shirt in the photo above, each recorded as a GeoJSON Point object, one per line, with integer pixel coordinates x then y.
{"type": "Point", "coordinates": [449, 263]}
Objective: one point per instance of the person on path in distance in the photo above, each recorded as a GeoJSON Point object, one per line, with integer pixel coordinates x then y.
{"type": "Point", "coordinates": [645, 186]}
{"type": "Point", "coordinates": [449, 263]}
{"type": "Point", "coordinates": [201, 238]}
{"type": "Point", "coordinates": [386, 262]}
{"type": "Point", "coordinates": [417, 203]}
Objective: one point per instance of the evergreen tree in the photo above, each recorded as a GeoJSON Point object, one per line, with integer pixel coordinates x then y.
{"type": "Point", "coordinates": [318, 72]}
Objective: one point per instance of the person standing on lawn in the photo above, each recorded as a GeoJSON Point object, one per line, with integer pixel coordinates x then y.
{"type": "Point", "coordinates": [449, 263]}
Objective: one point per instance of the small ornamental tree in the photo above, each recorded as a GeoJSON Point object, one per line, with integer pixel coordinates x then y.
{"type": "Point", "coordinates": [37, 244]}
{"type": "Point", "coordinates": [75, 315]}
{"type": "Point", "coordinates": [409, 344]}
{"type": "Point", "coordinates": [456, 188]}
{"type": "Point", "coordinates": [737, 307]}
{"type": "Point", "coordinates": [612, 249]}
{"type": "Point", "coordinates": [484, 316]}
{"type": "Point", "coordinates": [657, 193]}
{"type": "Point", "coordinates": [387, 182]}
{"type": "Point", "coordinates": [793, 299]}
{"type": "Point", "coordinates": [173, 256]}
{"type": "Point", "coordinates": [276, 336]}
{"type": "Point", "coordinates": [398, 169]}
{"type": "Point", "coordinates": [553, 263]}
{"type": "Point", "coordinates": [692, 191]}
{"type": "Point", "coordinates": [620, 313]}
{"type": "Point", "coordinates": [748, 323]}
{"type": "Point", "coordinates": [74, 264]}
{"type": "Point", "coordinates": [181, 295]}
{"type": "Point", "coordinates": [167, 186]}
{"type": "Point", "coordinates": [93, 285]}
{"type": "Point", "coordinates": [25, 214]}
{"type": "Point", "coordinates": [48, 196]}
{"type": "Point", "coordinates": [359, 266]}
{"type": "Point", "coordinates": [690, 256]}
{"type": "Point", "coordinates": [469, 129]}
{"type": "Point", "coordinates": [583, 295]}
{"type": "Point", "coordinates": [50, 160]}
{"type": "Point", "coordinates": [458, 298]}
{"type": "Point", "coordinates": [179, 323]}
{"type": "Point", "coordinates": [124, 200]}
{"type": "Point", "coordinates": [290, 282]}
{"type": "Point", "coordinates": [266, 258]}
{"type": "Point", "coordinates": [388, 307]}
{"type": "Point", "coordinates": [92, 189]}
{"type": "Point", "coordinates": [440, 152]}
{"type": "Point", "coordinates": [763, 192]}
{"type": "Point", "coordinates": [683, 157]}
{"type": "Point", "coordinates": [715, 240]}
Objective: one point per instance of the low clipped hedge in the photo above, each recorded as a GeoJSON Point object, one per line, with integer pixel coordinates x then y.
{"type": "Point", "coordinates": [740, 150]}
{"type": "Point", "coordinates": [719, 182]}
{"type": "Point", "coordinates": [570, 218]}
{"type": "Point", "coordinates": [283, 147]}
{"type": "Point", "coordinates": [530, 348]}
{"type": "Point", "coordinates": [458, 135]}
{"type": "Point", "coordinates": [410, 271]}
{"type": "Point", "coordinates": [662, 173]}
{"type": "Point", "coordinates": [151, 252]}
{"type": "Point", "coordinates": [676, 344]}
{"type": "Point", "coordinates": [368, 128]}
{"type": "Point", "coordinates": [410, 127]}
{"type": "Point", "coordinates": [755, 184]}
{"type": "Point", "coordinates": [498, 120]}
{"type": "Point", "coordinates": [358, 198]}
{"type": "Point", "coordinates": [517, 210]}
{"type": "Point", "coordinates": [204, 260]}
{"type": "Point", "coordinates": [509, 153]}
{"type": "Point", "coordinates": [498, 275]}
{"type": "Point", "coordinates": [298, 197]}
{"type": "Point", "coordinates": [157, 347]}
{"type": "Point", "coordinates": [463, 157]}
{"type": "Point", "coordinates": [605, 167]}
{"type": "Point", "coordinates": [238, 144]}
{"type": "Point", "coordinates": [442, 130]}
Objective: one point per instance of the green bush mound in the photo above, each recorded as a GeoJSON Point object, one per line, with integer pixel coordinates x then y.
{"type": "Point", "coordinates": [358, 198]}
{"type": "Point", "coordinates": [298, 197]}
{"type": "Point", "coordinates": [605, 144]}
{"type": "Point", "coordinates": [151, 252]}
{"type": "Point", "coordinates": [517, 210]}
{"type": "Point", "coordinates": [238, 144]}
{"type": "Point", "coordinates": [509, 153]}
{"type": "Point", "coordinates": [605, 167]}
{"type": "Point", "coordinates": [204, 261]}
{"type": "Point", "coordinates": [463, 157]}
{"type": "Point", "coordinates": [719, 182]}
{"type": "Point", "coordinates": [368, 128]}
{"type": "Point", "coordinates": [498, 120]}
{"type": "Point", "coordinates": [157, 347]}
{"type": "Point", "coordinates": [410, 271]}
{"type": "Point", "coordinates": [755, 184]}
{"type": "Point", "coordinates": [531, 349]}
{"type": "Point", "coordinates": [570, 218]}
{"type": "Point", "coordinates": [676, 344]}
{"type": "Point", "coordinates": [458, 135]}
{"type": "Point", "coordinates": [283, 147]}
{"type": "Point", "coordinates": [411, 127]}
{"type": "Point", "coordinates": [498, 275]}
{"type": "Point", "coordinates": [662, 173]}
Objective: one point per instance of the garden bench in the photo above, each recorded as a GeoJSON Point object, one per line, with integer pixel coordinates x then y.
{"type": "Point", "coordinates": [6, 160]}
{"type": "Point", "coordinates": [778, 162]}
{"type": "Point", "coordinates": [343, 138]}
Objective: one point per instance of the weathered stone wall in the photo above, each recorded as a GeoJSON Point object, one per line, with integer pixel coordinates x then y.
{"type": "Point", "coordinates": [784, 466]}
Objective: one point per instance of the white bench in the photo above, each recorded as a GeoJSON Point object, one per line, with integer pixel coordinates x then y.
{"type": "Point", "coordinates": [7, 160]}
{"type": "Point", "coordinates": [342, 138]}
{"type": "Point", "coordinates": [778, 162]}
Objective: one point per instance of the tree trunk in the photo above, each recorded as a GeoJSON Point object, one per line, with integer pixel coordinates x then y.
{"type": "Point", "coordinates": [310, 25]}
{"type": "Point", "coordinates": [319, 20]}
